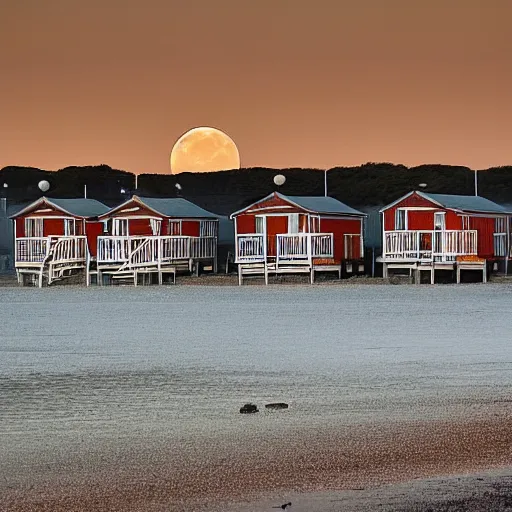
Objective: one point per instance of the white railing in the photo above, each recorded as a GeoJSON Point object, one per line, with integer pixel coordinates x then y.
{"type": "Point", "coordinates": [31, 249]}
{"type": "Point", "coordinates": [59, 249]}
{"type": "Point", "coordinates": [250, 248]}
{"type": "Point", "coordinates": [144, 250]}
{"type": "Point", "coordinates": [65, 249]}
{"type": "Point", "coordinates": [113, 249]}
{"type": "Point", "coordinates": [500, 244]}
{"type": "Point", "coordinates": [304, 246]}
{"type": "Point", "coordinates": [298, 247]}
{"type": "Point", "coordinates": [293, 247]}
{"type": "Point", "coordinates": [322, 245]}
{"type": "Point", "coordinates": [429, 245]}
{"type": "Point", "coordinates": [176, 248]}
{"type": "Point", "coordinates": [203, 247]}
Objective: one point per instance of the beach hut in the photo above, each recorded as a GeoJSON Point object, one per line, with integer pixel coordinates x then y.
{"type": "Point", "coordinates": [147, 235]}
{"type": "Point", "coordinates": [425, 232]}
{"type": "Point", "coordinates": [282, 234]}
{"type": "Point", "coordinates": [55, 238]}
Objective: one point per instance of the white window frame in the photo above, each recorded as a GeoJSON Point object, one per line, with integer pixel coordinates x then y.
{"type": "Point", "coordinates": [465, 222]}
{"type": "Point", "coordinates": [207, 228]}
{"type": "Point", "coordinates": [156, 226]}
{"type": "Point", "coordinates": [314, 223]}
{"type": "Point", "coordinates": [293, 223]}
{"type": "Point", "coordinates": [405, 218]}
{"type": "Point", "coordinates": [172, 225]}
{"type": "Point", "coordinates": [34, 227]}
{"type": "Point", "coordinates": [500, 225]}
{"type": "Point", "coordinates": [69, 227]}
{"type": "Point", "coordinates": [442, 215]}
{"type": "Point", "coordinates": [259, 224]}
{"type": "Point", "coordinates": [120, 227]}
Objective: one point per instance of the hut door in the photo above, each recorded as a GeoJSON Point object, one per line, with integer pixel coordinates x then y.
{"type": "Point", "coordinates": [276, 225]}
{"type": "Point", "coordinates": [439, 227]}
{"type": "Point", "coordinates": [120, 227]}
{"type": "Point", "coordinates": [34, 227]}
{"type": "Point", "coordinates": [69, 227]}
{"type": "Point", "coordinates": [439, 221]}
{"type": "Point", "coordinates": [156, 225]}
{"type": "Point", "coordinates": [175, 227]}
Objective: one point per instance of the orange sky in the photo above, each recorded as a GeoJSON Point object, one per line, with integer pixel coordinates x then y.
{"type": "Point", "coordinates": [312, 83]}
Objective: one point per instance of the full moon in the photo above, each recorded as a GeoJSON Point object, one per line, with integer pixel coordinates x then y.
{"type": "Point", "coordinates": [204, 149]}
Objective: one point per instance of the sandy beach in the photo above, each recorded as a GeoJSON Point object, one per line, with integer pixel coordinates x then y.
{"type": "Point", "coordinates": [119, 415]}
{"type": "Point", "coordinates": [382, 467]}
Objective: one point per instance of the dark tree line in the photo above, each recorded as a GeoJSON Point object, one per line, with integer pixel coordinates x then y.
{"type": "Point", "coordinates": [224, 192]}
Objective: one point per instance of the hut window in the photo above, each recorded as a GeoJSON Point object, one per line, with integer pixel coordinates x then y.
{"type": "Point", "coordinates": [400, 219]}
{"type": "Point", "coordinates": [465, 222]}
{"type": "Point", "coordinates": [175, 227]}
{"type": "Point", "coordinates": [155, 226]}
{"type": "Point", "coordinates": [303, 226]}
{"type": "Point", "coordinates": [259, 224]}
{"type": "Point", "coordinates": [207, 228]}
{"type": "Point", "coordinates": [34, 227]}
{"type": "Point", "coordinates": [69, 227]}
{"type": "Point", "coordinates": [439, 221]}
{"type": "Point", "coordinates": [293, 223]}
{"type": "Point", "coordinates": [315, 224]}
{"type": "Point", "coordinates": [120, 227]}
{"type": "Point", "coordinates": [499, 225]}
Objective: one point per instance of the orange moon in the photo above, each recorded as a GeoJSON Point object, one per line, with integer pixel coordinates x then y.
{"type": "Point", "coordinates": [204, 149]}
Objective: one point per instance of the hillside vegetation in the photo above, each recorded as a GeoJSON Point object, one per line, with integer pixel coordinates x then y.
{"type": "Point", "coordinates": [224, 192]}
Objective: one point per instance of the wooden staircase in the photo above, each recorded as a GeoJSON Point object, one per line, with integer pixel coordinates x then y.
{"type": "Point", "coordinates": [138, 263]}
{"type": "Point", "coordinates": [63, 258]}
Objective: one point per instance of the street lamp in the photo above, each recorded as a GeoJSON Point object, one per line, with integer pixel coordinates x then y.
{"type": "Point", "coordinates": [43, 186]}
{"type": "Point", "coordinates": [3, 199]}
{"type": "Point", "coordinates": [279, 180]}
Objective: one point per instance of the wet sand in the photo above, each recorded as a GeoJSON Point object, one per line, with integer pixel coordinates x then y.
{"type": "Point", "coordinates": [137, 411]}
{"type": "Point", "coordinates": [329, 469]}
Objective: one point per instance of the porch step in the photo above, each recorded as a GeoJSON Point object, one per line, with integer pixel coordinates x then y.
{"type": "Point", "coordinates": [292, 269]}
{"type": "Point", "coordinates": [252, 269]}
{"type": "Point", "coordinates": [123, 274]}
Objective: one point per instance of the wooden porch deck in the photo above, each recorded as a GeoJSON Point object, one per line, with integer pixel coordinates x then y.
{"type": "Point", "coordinates": [50, 259]}
{"type": "Point", "coordinates": [428, 251]}
{"type": "Point", "coordinates": [299, 253]}
{"type": "Point", "coordinates": [126, 258]}
{"type": "Point", "coordinates": [415, 268]}
{"type": "Point", "coordinates": [264, 269]}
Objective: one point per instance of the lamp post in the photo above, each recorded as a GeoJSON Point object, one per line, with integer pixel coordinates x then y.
{"type": "Point", "coordinates": [325, 182]}
{"type": "Point", "coordinates": [3, 198]}
{"type": "Point", "coordinates": [279, 180]}
{"type": "Point", "coordinates": [476, 182]}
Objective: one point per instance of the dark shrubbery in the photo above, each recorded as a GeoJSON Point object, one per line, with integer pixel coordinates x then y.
{"type": "Point", "coordinates": [227, 191]}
